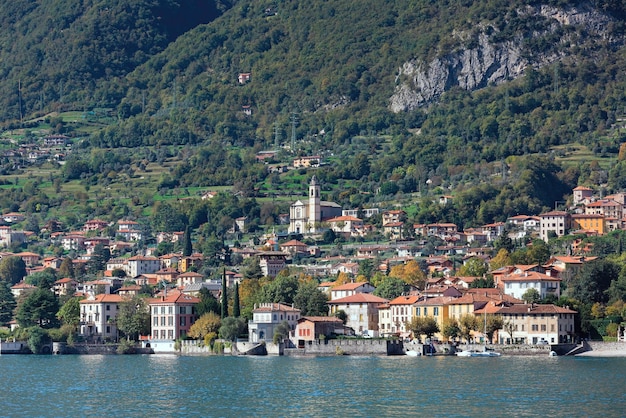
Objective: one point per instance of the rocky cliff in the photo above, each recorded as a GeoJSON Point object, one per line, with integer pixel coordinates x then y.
{"type": "Point", "coordinates": [419, 83]}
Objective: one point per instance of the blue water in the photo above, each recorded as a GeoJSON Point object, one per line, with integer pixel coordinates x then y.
{"type": "Point", "coordinates": [216, 386]}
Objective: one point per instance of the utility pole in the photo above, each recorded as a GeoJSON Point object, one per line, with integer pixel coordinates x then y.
{"type": "Point", "coordinates": [294, 122]}
{"type": "Point", "coordinates": [19, 94]}
{"type": "Point", "coordinates": [276, 136]}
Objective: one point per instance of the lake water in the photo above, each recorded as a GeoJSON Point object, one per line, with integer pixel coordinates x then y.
{"type": "Point", "coordinates": [224, 386]}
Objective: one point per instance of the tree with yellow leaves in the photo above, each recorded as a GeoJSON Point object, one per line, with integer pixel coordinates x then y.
{"type": "Point", "coordinates": [410, 273]}
{"type": "Point", "coordinates": [342, 278]}
{"type": "Point", "coordinates": [503, 258]}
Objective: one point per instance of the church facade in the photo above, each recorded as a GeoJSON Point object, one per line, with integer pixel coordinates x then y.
{"type": "Point", "coordinates": [307, 216]}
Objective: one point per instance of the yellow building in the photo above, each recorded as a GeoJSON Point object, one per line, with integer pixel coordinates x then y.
{"type": "Point", "coordinates": [589, 222]}
{"type": "Point", "coordinates": [436, 308]}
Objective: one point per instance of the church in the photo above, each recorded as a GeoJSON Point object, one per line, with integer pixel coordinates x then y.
{"type": "Point", "coordinates": [306, 217]}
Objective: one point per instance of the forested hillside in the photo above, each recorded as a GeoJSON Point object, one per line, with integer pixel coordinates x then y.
{"type": "Point", "coordinates": [396, 95]}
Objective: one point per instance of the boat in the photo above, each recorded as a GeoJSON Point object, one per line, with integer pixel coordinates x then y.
{"type": "Point", "coordinates": [476, 353]}
{"type": "Point", "coordinates": [413, 353]}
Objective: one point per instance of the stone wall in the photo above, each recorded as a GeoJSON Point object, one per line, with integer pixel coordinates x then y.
{"type": "Point", "coordinates": [348, 347]}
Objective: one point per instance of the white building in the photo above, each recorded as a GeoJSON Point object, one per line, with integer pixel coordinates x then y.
{"type": "Point", "coordinates": [361, 310]}
{"type": "Point", "coordinates": [97, 316]}
{"type": "Point", "coordinates": [306, 217]}
{"type": "Point", "coordinates": [139, 264]}
{"type": "Point", "coordinates": [267, 316]}
{"type": "Point", "coordinates": [517, 284]}
{"type": "Point", "coordinates": [557, 222]}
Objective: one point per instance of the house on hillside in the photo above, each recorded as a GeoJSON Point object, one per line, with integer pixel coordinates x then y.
{"type": "Point", "coordinates": [266, 317]}
{"type": "Point", "coordinates": [350, 289]}
{"type": "Point", "coordinates": [97, 317]}
{"type": "Point", "coordinates": [361, 310]}
{"type": "Point", "coordinates": [172, 315]}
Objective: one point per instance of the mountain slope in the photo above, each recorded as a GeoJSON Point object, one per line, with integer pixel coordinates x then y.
{"type": "Point", "coordinates": [58, 51]}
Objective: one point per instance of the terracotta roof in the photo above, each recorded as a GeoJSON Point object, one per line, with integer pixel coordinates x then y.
{"type": "Point", "coordinates": [529, 276]}
{"type": "Point", "coordinates": [175, 297]}
{"type": "Point", "coordinates": [404, 300]}
{"type": "Point", "coordinates": [534, 309]}
{"type": "Point", "coordinates": [320, 319]}
{"type": "Point", "coordinates": [104, 298]}
{"type": "Point", "coordinates": [359, 298]}
{"type": "Point", "coordinates": [294, 243]}
{"type": "Point", "coordinates": [350, 286]}
{"type": "Point", "coordinates": [344, 219]}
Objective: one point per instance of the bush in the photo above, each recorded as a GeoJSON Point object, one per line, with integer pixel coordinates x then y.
{"type": "Point", "coordinates": [126, 347]}
{"type": "Point", "coordinates": [38, 340]}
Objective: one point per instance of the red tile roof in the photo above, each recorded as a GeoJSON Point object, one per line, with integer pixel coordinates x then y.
{"type": "Point", "coordinates": [359, 298]}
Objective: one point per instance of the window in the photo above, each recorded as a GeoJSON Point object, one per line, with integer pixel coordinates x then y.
{"type": "Point", "coordinates": [155, 321]}
{"type": "Point", "coordinates": [417, 311]}
{"type": "Point", "coordinates": [170, 310]}
{"type": "Point", "coordinates": [170, 321]}
{"type": "Point", "coordinates": [436, 311]}
{"type": "Point", "coordinates": [183, 321]}
{"type": "Point", "coordinates": [108, 307]}
{"type": "Point", "coordinates": [163, 322]}
{"type": "Point", "coordinates": [543, 327]}
{"type": "Point", "coordinates": [535, 327]}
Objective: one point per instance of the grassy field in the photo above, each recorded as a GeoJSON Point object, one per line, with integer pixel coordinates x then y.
{"type": "Point", "coordinates": [575, 154]}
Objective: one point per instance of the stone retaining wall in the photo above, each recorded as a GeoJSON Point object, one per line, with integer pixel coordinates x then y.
{"type": "Point", "coordinates": [348, 347]}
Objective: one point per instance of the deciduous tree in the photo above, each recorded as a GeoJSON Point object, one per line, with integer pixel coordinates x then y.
{"type": "Point", "coordinates": [207, 323]}
{"type": "Point", "coordinates": [133, 318]}
{"type": "Point", "coordinates": [423, 325]}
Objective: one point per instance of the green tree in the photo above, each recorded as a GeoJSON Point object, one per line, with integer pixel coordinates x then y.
{"type": "Point", "coordinates": [69, 314]}
{"type": "Point", "coordinates": [98, 261]}
{"type": "Point", "coordinates": [281, 332]}
{"type": "Point", "coordinates": [483, 283]}
{"type": "Point", "coordinates": [390, 288]}
{"type": "Point", "coordinates": [450, 329]}
{"type": "Point", "coordinates": [12, 269]}
{"type": "Point", "coordinates": [531, 296]}
{"type": "Point", "coordinates": [236, 307]}
{"type": "Point", "coordinates": [66, 269]}
{"type": "Point", "coordinates": [187, 247]}
{"type": "Point", "coordinates": [7, 303]}
{"type": "Point", "coordinates": [494, 323]}
{"type": "Point", "coordinates": [310, 300]}
{"type": "Point", "coordinates": [208, 303]}
{"type": "Point", "coordinates": [224, 296]}
{"type": "Point", "coordinates": [232, 328]}
{"type": "Point", "coordinates": [38, 309]}
{"type": "Point", "coordinates": [44, 279]}
{"type": "Point", "coordinates": [37, 340]}
{"type": "Point", "coordinates": [475, 267]}
{"type": "Point", "coordinates": [251, 268]}
{"type": "Point", "coordinates": [423, 325]}
{"type": "Point", "coordinates": [467, 324]}
{"type": "Point", "coordinates": [592, 280]}
{"type": "Point", "coordinates": [282, 289]}
{"type": "Point", "coordinates": [366, 268]}
{"type": "Point", "coordinates": [133, 318]}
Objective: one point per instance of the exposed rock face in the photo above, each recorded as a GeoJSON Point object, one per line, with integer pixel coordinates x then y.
{"type": "Point", "coordinates": [486, 64]}
{"type": "Point", "coordinates": [469, 69]}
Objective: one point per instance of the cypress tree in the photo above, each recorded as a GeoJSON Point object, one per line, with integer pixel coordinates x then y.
{"type": "Point", "coordinates": [224, 296]}
{"type": "Point", "coordinates": [187, 248]}
{"type": "Point", "coordinates": [236, 312]}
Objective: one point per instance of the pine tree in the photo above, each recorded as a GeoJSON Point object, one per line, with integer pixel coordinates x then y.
{"type": "Point", "coordinates": [224, 297]}
{"type": "Point", "coordinates": [236, 312]}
